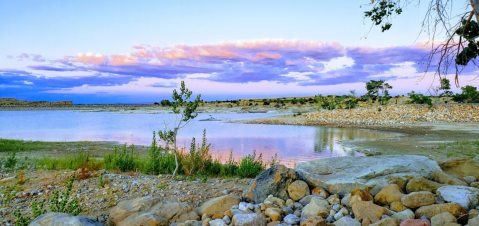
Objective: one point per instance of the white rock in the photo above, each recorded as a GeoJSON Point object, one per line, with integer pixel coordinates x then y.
{"type": "Point", "coordinates": [465, 196]}
{"type": "Point", "coordinates": [291, 219]}
{"type": "Point", "coordinates": [347, 221]}
{"type": "Point", "coordinates": [218, 222]}
{"type": "Point", "coordinates": [338, 215]}
{"type": "Point", "coordinates": [404, 215]}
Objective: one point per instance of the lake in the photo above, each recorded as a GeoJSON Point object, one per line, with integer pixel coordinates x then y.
{"type": "Point", "coordinates": [291, 143]}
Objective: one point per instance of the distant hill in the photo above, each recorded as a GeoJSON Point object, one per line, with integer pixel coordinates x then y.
{"type": "Point", "coordinates": [15, 102]}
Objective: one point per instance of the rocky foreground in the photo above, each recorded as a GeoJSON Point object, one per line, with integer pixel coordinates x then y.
{"type": "Point", "coordinates": [346, 191]}
{"type": "Point", "coordinates": [391, 115]}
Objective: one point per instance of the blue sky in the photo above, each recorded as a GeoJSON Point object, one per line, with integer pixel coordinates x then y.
{"type": "Point", "coordinates": [138, 52]}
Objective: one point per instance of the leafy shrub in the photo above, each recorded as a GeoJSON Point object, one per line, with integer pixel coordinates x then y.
{"type": "Point", "coordinates": [60, 202]}
{"type": "Point", "coordinates": [417, 98]}
{"type": "Point", "coordinates": [11, 160]}
{"type": "Point", "coordinates": [194, 161]}
{"type": "Point", "coordinates": [250, 166]}
{"type": "Point", "coordinates": [123, 159]}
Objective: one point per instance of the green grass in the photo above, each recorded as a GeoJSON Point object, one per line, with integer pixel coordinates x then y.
{"type": "Point", "coordinates": [467, 149]}
{"type": "Point", "coordinates": [8, 145]}
{"type": "Point", "coordinates": [69, 162]}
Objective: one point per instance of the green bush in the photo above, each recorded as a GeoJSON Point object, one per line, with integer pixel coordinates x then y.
{"type": "Point", "coordinates": [70, 162]}
{"type": "Point", "coordinates": [416, 98]}
{"type": "Point", "coordinates": [250, 166]}
{"type": "Point", "coordinates": [11, 160]}
{"type": "Point", "coordinates": [123, 159]}
{"type": "Point", "coordinates": [60, 202]}
{"type": "Point", "coordinates": [469, 95]}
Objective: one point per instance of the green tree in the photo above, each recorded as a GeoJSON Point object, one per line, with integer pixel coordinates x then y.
{"type": "Point", "coordinates": [469, 95]}
{"type": "Point", "coordinates": [446, 86]}
{"type": "Point", "coordinates": [186, 110]}
{"type": "Point", "coordinates": [459, 30]}
{"type": "Point", "coordinates": [374, 87]}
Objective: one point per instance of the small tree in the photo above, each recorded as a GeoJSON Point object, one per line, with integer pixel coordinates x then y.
{"type": "Point", "coordinates": [373, 87]}
{"type": "Point", "coordinates": [446, 86]}
{"type": "Point", "coordinates": [187, 111]}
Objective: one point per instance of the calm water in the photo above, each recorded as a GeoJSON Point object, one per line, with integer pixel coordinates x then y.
{"type": "Point", "coordinates": [291, 143]}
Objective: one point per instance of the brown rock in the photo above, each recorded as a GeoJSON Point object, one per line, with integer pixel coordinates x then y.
{"type": "Point", "coordinates": [248, 219]}
{"type": "Point", "coordinates": [422, 184]}
{"type": "Point", "coordinates": [316, 207]}
{"type": "Point", "coordinates": [389, 194]}
{"type": "Point", "coordinates": [460, 167]}
{"type": "Point", "coordinates": [397, 207]}
{"type": "Point", "coordinates": [274, 213]}
{"type": "Point", "coordinates": [366, 222]}
{"type": "Point", "coordinates": [218, 206]}
{"type": "Point", "coordinates": [128, 207]}
{"type": "Point", "coordinates": [368, 210]}
{"type": "Point", "coordinates": [445, 178]}
{"type": "Point", "coordinates": [298, 189]}
{"type": "Point", "coordinates": [313, 221]}
{"type": "Point", "coordinates": [364, 194]}
{"type": "Point", "coordinates": [228, 213]}
{"type": "Point", "coordinates": [320, 191]}
{"type": "Point", "coordinates": [418, 199]}
{"type": "Point", "coordinates": [442, 219]}
{"type": "Point", "coordinates": [273, 223]}
{"type": "Point", "coordinates": [429, 211]}
{"type": "Point", "coordinates": [473, 213]}
{"type": "Point", "coordinates": [386, 222]}
{"type": "Point", "coordinates": [415, 222]}
{"type": "Point", "coordinates": [474, 184]}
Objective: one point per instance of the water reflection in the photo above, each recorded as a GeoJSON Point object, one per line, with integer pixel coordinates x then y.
{"type": "Point", "coordinates": [292, 144]}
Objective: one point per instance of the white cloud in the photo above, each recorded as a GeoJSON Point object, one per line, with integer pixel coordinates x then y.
{"type": "Point", "coordinates": [298, 75]}
{"type": "Point", "coordinates": [27, 83]}
{"type": "Point", "coordinates": [338, 63]}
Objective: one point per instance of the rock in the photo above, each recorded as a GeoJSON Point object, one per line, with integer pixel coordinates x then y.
{"type": "Point", "coordinates": [418, 199]}
{"type": "Point", "coordinates": [273, 223]}
{"type": "Point", "coordinates": [298, 189]}
{"type": "Point", "coordinates": [63, 219]}
{"type": "Point", "coordinates": [218, 205]}
{"type": "Point", "coordinates": [465, 196]}
{"type": "Point", "coordinates": [475, 184]}
{"type": "Point", "coordinates": [273, 213]}
{"type": "Point", "coordinates": [363, 209]}
{"type": "Point", "coordinates": [340, 175]}
{"type": "Point", "coordinates": [290, 203]}
{"type": "Point", "coordinates": [161, 213]}
{"type": "Point", "coordinates": [333, 199]}
{"type": "Point", "coordinates": [404, 215]}
{"type": "Point", "coordinates": [347, 221]}
{"type": "Point", "coordinates": [274, 201]}
{"type": "Point", "coordinates": [248, 219]}
{"type": "Point", "coordinates": [305, 201]}
{"type": "Point", "coordinates": [338, 215]}
{"type": "Point", "coordinates": [345, 200]}
{"type": "Point", "coordinates": [218, 222]}
{"type": "Point", "coordinates": [473, 221]}
{"type": "Point", "coordinates": [422, 184]}
{"type": "Point", "coordinates": [316, 207]}
{"type": "Point", "coordinates": [389, 194]}
{"type": "Point", "coordinates": [7, 179]}
{"type": "Point", "coordinates": [397, 207]}
{"type": "Point", "coordinates": [445, 178]}
{"type": "Point", "coordinates": [429, 211]}
{"type": "Point", "coordinates": [460, 167]}
{"type": "Point", "coordinates": [313, 221]}
{"type": "Point", "coordinates": [320, 191]}
{"type": "Point", "coordinates": [473, 213]}
{"type": "Point", "coordinates": [442, 219]}
{"type": "Point", "coordinates": [415, 222]}
{"type": "Point", "coordinates": [272, 181]}
{"type": "Point", "coordinates": [386, 222]}
{"type": "Point", "coordinates": [291, 219]}
{"type": "Point", "coordinates": [363, 194]}
{"type": "Point", "coordinates": [469, 179]}
{"type": "Point", "coordinates": [128, 207]}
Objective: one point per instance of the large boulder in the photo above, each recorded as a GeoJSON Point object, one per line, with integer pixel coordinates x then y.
{"type": "Point", "coordinates": [274, 181]}
{"type": "Point", "coordinates": [422, 184]}
{"type": "Point", "coordinates": [430, 211]}
{"type": "Point", "coordinates": [467, 197]}
{"type": "Point", "coordinates": [63, 219]}
{"type": "Point", "coordinates": [342, 174]}
{"type": "Point", "coordinates": [445, 178]}
{"type": "Point", "coordinates": [460, 167]}
{"type": "Point", "coordinates": [217, 205]}
{"type": "Point", "coordinates": [153, 211]}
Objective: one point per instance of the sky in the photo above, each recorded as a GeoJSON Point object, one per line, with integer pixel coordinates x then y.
{"type": "Point", "coordinates": [139, 51]}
